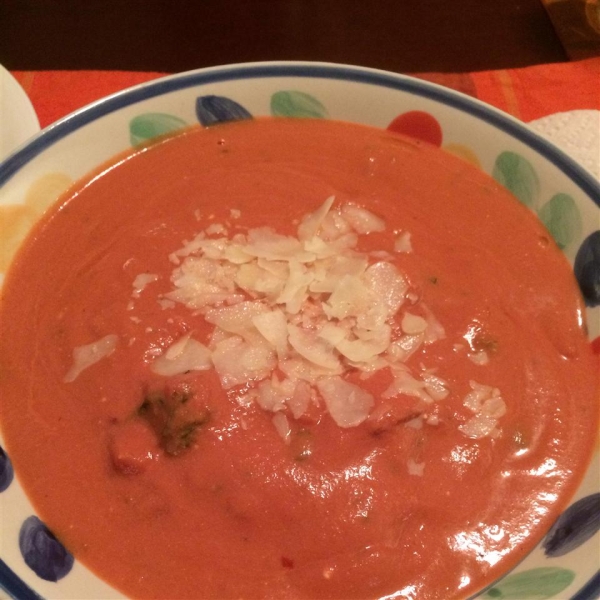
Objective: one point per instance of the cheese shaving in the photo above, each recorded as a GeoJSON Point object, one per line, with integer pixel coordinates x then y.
{"type": "Point", "coordinates": [89, 354]}
{"type": "Point", "coordinates": [487, 404]}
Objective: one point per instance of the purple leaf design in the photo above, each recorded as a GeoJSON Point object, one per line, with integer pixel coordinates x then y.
{"type": "Point", "coordinates": [587, 269]}
{"type": "Point", "coordinates": [42, 552]}
{"type": "Point", "coordinates": [219, 109]}
{"type": "Point", "coordinates": [6, 470]}
{"type": "Point", "coordinates": [574, 527]}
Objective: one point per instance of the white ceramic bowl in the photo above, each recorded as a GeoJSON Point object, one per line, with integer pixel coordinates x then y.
{"type": "Point", "coordinates": [18, 120]}
{"type": "Point", "coordinates": [566, 564]}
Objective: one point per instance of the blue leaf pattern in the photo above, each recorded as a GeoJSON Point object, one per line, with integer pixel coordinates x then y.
{"type": "Point", "coordinates": [42, 552]}
{"type": "Point", "coordinates": [6, 470]}
{"type": "Point", "coordinates": [587, 269]}
{"type": "Point", "coordinates": [574, 527]}
{"type": "Point", "coordinates": [219, 109]}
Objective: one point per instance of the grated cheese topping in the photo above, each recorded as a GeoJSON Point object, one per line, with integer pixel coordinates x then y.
{"type": "Point", "coordinates": [89, 354]}
{"type": "Point", "coordinates": [293, 315]}
{"type": "Point", "coordinates": [488, 406]}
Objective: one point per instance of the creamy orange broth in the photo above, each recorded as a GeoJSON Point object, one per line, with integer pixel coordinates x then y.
{"type": "Point", "coordinates": [336, 512]}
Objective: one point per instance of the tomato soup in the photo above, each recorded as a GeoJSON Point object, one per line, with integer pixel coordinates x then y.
{"type": "Point", "coordinates": [295, 359]}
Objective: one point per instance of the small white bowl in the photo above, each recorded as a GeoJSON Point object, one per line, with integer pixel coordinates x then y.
{"type": "Point", "coordinates": [75, 145]}
{"type": "Point", "coordinates": [18, 121]}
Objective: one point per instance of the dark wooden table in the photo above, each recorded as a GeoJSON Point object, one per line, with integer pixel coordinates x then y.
{"type": "Point", "coordinates": [174, 35]}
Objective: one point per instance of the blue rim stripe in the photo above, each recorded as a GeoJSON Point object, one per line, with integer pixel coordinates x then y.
{"type": "Point", "coordinates": [591, 590]}
{"type": "Point", "coordinates": [421, 88]}
{"type": "Point", "coordinates": [14, 586]}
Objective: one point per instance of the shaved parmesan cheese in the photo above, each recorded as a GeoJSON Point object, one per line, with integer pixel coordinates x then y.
{"type": "Point", "coordinates": [415, 468]}
{"type": "Point", "coordinates": [165, 303]}
{"type": "Point", "coordinates": [388, 285]}
{"type": "Point", "coordinates": [266, 243]}
{"type": "Point", "coordinates": [405, 383]}
{"type": "Point", "coordinates": [177, 347]}
{"type": "Point", "coordinates": [403, 243]}
{"type": "Point", "coordinates": [310, 223]}
{"type": "Point", "coordinates": [362, 220]}
{"type": "Point", "coordinates": [348, 404]}
{"type": "Point", "coordinates": [237, 319]}
{"type": "Point", "coordinates": [404, 347]}
{"type": "Point", "coordinates": [141, 281]}
{"type": "Point", "coordinates": [416, 423]}
{"type": "Point", "coordinates": [434, 330]}
{"type": "Point", "coordinates": [329, 272]}
{"type": "Point", "coordinates": [203, 282]}
{"type": "Point", "coordinates": [270, 397]}
{"type": "Point", "coordinates": [367, 348]}
{"type": "Point", "coordinates": [255, 279]}
{"type": "Point", "coordinates": [335, 228]}
{"type": "Point", "coordinates": [308, 309]}
{"type": "Point", "coordinates": [436, 387]}
{"type": "Point", "coordinates": [273, 326]}
{"type": "Point", "coordinates": [351, 297]}
{"type": "Point", "coordinates": [487, 404]}
{"type": "Point", "coordinates": [413, 324]}
{"type": "Point", "coordinates": [332, 333]}
{"type": "Point", "coordinates": [237, 362]}
{"type": "Point", "coordinates": [474, 399]}
{"type": "Point", "coordinates": [295, 288]}
{"type": "Point", "coordinates": [89, 354]}
{"type": "Point", "coordinates": [235, 254]}
{"type": "Point", "coordinates": [479, 358]}
{"type": "Point", "coordinates": [300, 400]}
{"type": "Point", "coordinates": [282, 426]}
{"type": "Point", "coordinates": [186, 354]}
{"type": "Point", "coordinates": [216, 228]}
{"type": "Point", "coordinates": [316, 350]}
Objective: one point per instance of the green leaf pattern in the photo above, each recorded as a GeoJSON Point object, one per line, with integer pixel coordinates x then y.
{"type": "Point", "coordinates": [560, 214]}
{"type": "Point", "coordinates": [147, 126]}
{"type": "Point", "coordinates": [534, 584]}
{"type": "Point", "coordinates": [561, 217]}
{"type": "Point", "coordinates": [289, 103]}
{"type": "Point", "coordinates": [517, 175]}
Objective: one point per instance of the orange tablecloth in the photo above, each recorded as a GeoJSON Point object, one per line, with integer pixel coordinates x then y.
{"type": "Point", "coordinates": [527, 93]}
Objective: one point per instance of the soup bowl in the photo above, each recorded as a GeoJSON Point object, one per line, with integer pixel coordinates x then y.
{"type": "Point", "coordinates": [33, 563]}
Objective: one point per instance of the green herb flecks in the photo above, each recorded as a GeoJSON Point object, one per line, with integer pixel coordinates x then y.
{"type": "Point", "coordinates": [174, 418]}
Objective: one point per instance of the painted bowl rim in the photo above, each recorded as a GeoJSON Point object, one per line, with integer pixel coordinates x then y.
{"type": "Point", "coordinates": [320, 70]}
